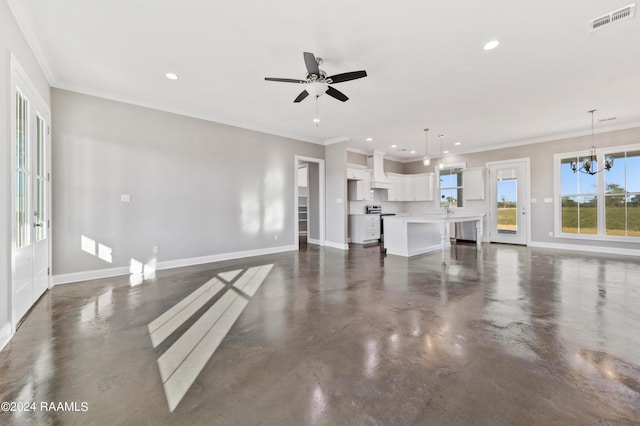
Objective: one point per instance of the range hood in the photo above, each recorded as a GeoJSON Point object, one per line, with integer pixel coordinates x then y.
{"type": "Point", "coordinates": [379, 180]}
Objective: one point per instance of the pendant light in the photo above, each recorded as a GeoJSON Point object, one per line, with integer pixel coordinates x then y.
{"type": "Point", "coordinates": [441, 165]}
{"type": "Point", "coordinates": [426, 160]}
{"type": "Point", "coordinates": [591, 159]}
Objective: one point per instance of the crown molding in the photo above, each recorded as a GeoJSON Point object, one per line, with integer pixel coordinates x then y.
{"type": "Point", "coordinates": [336, 140]}
{"type": "Point", "coordinates": [32, 40]}
{"type": "Point", "coordinates": [543, 139]}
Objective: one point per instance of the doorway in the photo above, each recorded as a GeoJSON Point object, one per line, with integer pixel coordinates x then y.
{"type": "Point", "coordinates": [30, 194]}
{"type": "Point", "coordinates": [309, 201]}
{"type": "Point", "coordinates": [509, 201]}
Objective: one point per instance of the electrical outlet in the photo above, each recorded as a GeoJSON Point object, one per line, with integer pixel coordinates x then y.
{"type": "Point", "coordinates": [276, 237]}
{"type": "Point", "coordinates": [155, 249]}
{"type": "Point", "coordinates": [551, 233]}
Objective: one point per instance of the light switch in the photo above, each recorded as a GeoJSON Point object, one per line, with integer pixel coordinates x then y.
{"type": "Point", "coordinates": [534, 200]}
{"type": "Point", "coordinates": [338, 200]}
{"type": "Point", "coordinates": [125, 198]}
{"type": "Point", "coordinates": [548, 200]}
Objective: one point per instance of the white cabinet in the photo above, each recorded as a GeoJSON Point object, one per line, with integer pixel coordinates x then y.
{"type": "Point", "coordinates": [473, 183]}
{"type": "Point", "coordinates": [364, 228]}
{"type": "Point", "coordinates": [423, 187]}
{"type": "Point", "coordinates": [411, 187]}
{"type": "Point", "coordinates": [358, 174]}
{"type": "Point", "coordinates": [359, 190]}
{"type": "Point", "coordinates": [396, 192]}
{"type": "Point", "coordinates": [359, 185]}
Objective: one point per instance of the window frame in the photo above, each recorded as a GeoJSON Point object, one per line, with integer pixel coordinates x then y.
{"type": "Point", "coordinates": [460, 202]}
{"type": "Point", "coordinates": [600, 194]}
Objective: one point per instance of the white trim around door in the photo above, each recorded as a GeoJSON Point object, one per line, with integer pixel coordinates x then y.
{"type": "Point", "coordinates": [321, 200]}
{"type": "Point", "coordinates": [521, 177]}
{"type": "Point", "coordinates": [30, 193]}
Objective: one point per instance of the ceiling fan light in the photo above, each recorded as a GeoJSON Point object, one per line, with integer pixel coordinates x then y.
{"type": "Point", "coordinates": [316, 88]}
{"type": "Point", "coordinates": [426, 160]}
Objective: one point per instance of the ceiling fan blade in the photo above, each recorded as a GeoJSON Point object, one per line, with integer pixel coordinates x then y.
{"type": "Point", "coordinates": [301, 96]}
{"type": "Point", "coordinates": [336, 94]}
{"type": "Point", "coordinates": [347, 76]}
{"type": "Point", "coordinates": [311, 63]}
{"type": "Point", "coordinates": [285, 80]}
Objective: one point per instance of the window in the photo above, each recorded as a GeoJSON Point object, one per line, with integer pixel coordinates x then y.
{"type": "Point", "coordinates": [579, 200]}
{"type": "Point", "coordinates": [622, 195]}
{"type": "Point", "coordinates": [602, 206]}
{"type": "Point", "coordinates": [22, 171]}
{"type": "Point", "coordinates": [40, 180]}
{"type": "Point", "coordinates": [451, 187]}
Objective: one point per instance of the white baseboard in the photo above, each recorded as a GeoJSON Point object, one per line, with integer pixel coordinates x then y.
{"type": "Point", "coordinates": [5, 335]}
{"type": "Point", "coordinates": [313, 241]}
{"type": "Point", "coordinates": [591, 249]}
{"type": "Point", "coordinates": [167, 264]}
{"type": "Point", "coordinates": [336, 245]}
{"type": "Point", "coordinates": [95, 274]}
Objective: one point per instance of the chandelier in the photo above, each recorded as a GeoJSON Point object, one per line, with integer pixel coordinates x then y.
{"type": "Point", "coordinates": [590, 161]}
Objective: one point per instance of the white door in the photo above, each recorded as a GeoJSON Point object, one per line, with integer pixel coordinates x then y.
{"type": "Point", "coordinates": [508, 198]}
{"type": "Point", "coordinates": [30, 195]}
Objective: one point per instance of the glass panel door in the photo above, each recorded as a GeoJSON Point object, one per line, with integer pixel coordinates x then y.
{"type": "Point", "coordinates": [509, 206]}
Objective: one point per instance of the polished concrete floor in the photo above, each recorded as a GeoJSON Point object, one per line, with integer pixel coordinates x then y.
{"type": "Point", "coordinates": [500, 335]}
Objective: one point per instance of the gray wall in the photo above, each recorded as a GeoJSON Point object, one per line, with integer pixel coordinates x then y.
{"type": "Point", "coordinates": [542, 170]}
{"type": "Point", "coordinates": [390, 166]}
{"type": "Point", "coordinates": [197, 188]}
{"type": "Point", "coordinates": [356, 158]}
{"type": "Point", "coordinates": [314, 201]}
{"type": "Point", "coordinates": [336, 193]}
{"type": "Point", "coordinates": [11, 40]}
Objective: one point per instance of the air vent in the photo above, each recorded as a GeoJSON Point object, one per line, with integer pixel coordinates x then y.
{"type": "Point", "coordinates": [602, 120]}
{"type": "Point", "coordinates": [612, 17]}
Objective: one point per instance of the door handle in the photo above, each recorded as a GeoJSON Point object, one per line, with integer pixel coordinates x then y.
{"type": "Point", "coordinates": [37, 224]}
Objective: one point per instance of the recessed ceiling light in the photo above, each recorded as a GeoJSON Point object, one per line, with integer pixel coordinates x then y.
{"type": "Point", "coordinates": [394, 146]}
{"type": "Point", "coordinates": [171, 76]}
{"type": "Point", "coordinates": [316, 120]}
{"type": "Point", "coordinates": [369, 139]}
{"type": "Point", "coordinates": [413, 151]}
{"type": "Point", "coordinates": [446, 152]}
{"type": "Point", "coordinates": [491, 45]}
{"type": "Point", "coordinates": [458, 143]}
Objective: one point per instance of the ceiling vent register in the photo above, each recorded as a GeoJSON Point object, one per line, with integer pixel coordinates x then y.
{"type": "Point", "coordinates": [613, 17]}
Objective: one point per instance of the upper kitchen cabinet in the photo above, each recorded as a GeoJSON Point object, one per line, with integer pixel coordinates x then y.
{"type": "Point", "coordinates": [357, 174]}
{"type": "Point", "coordinates": [473, 180]}
{"type": "Point", "coordinates": [423, 186]}
{"type": "Point", "coordinates": [411, 187]}
{"type": "Point", "coordinates": [359, 185]}
{"type": "Point", "coordinates": [396, 191]}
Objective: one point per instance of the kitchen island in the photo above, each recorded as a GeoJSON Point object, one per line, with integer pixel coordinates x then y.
{"type": "Point", "coordinates": [413, 235]}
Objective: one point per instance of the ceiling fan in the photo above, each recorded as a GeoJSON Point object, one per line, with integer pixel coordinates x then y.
{"type": "Point", "coordinates": [317, 83]}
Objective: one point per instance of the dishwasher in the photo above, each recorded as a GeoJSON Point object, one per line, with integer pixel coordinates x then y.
{"type": "Point", "coordinates": [466, 231]}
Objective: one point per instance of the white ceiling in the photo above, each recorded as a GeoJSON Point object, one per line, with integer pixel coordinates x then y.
{"type": "Point", "coordinates": [425, 60]}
